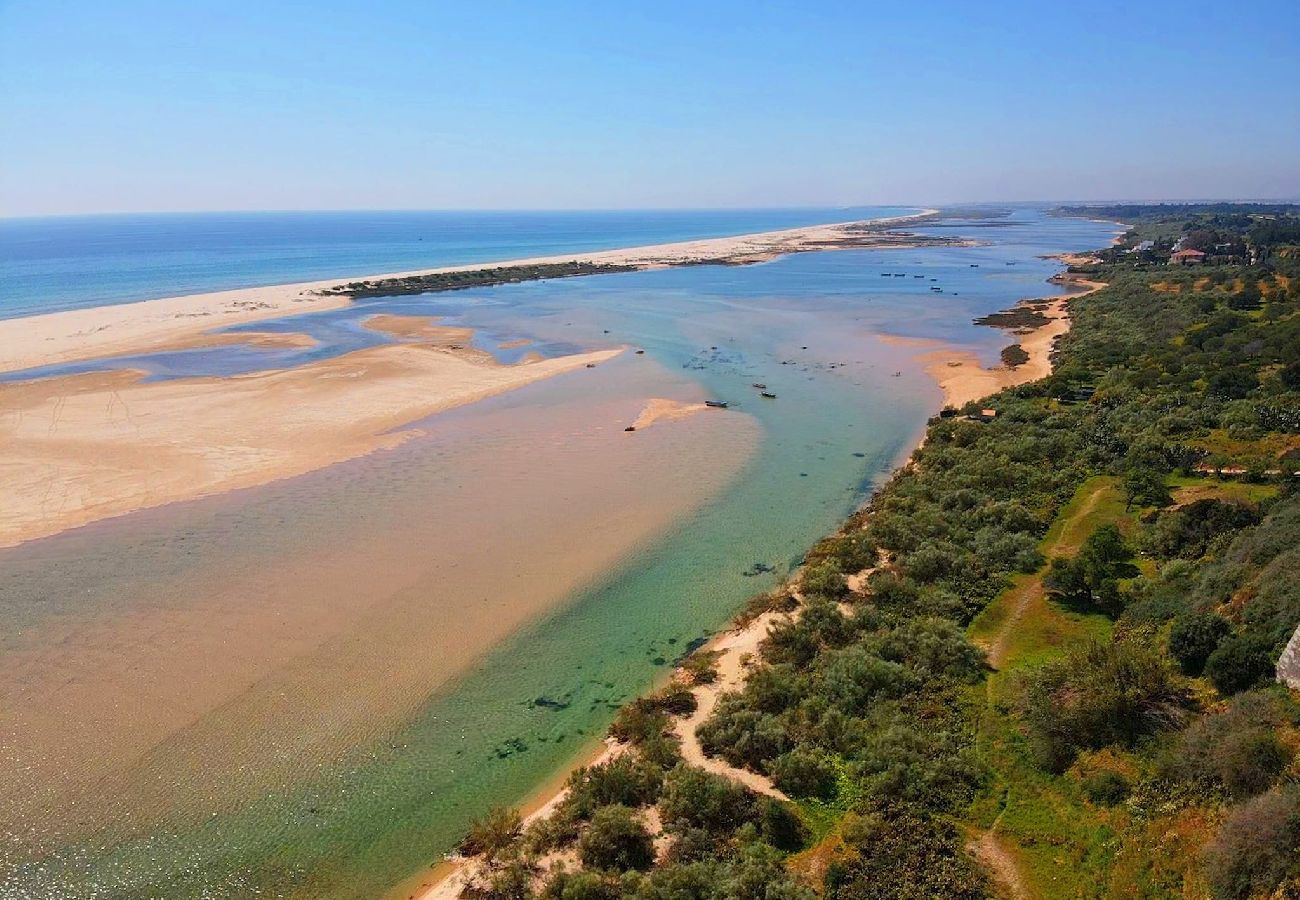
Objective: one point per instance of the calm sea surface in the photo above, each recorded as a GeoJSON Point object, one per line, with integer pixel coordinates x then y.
{"type": "Point", "coordinates": [69, 262]}
{"type": "Point", "coordinates": [282, 791]}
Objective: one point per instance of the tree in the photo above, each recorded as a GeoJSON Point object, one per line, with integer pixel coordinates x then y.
{"type": "Point", "coordinates": [616, 840]}
{"type": "Point", "coordinates": [1145, 487]}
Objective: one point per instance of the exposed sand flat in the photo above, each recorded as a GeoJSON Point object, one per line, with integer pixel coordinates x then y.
{"type": "Point", "coordinates": [962, 377]}
{"type": "Point", "coordinates": [151, 325]}
{"type": "Point", "coordinates": [659, 409]}
{"type": "Point", "coordinates": [86, 447]}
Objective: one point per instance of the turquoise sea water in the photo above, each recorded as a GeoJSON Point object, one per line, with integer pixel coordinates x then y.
{"type": "Point", "coordinates": [352, 826]}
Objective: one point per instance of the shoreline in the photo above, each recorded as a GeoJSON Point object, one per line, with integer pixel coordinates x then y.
{"type": "Point", "coordinates": [736, 642]}
{"type": "Point", "coordinates": [147, 326]}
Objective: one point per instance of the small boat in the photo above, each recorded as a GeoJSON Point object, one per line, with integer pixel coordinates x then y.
{"type": "Point", "coordinates": [767, 395]}
{"type": "Point", "coordinates": [591, 365]}
{"type": "Point", "coordinates": [759, 386]}
{"type": "Point", "coordinates": [630, 428]}
{"type": "Point", "coordinates": [897, 375]}
{"type": "Point", "coordinates": [716, 404]}
{"type": "Point", "coordinates": [937, 290]}
{"type": "Point", "coordinates": [918, 276]}
{"type": "Point", "coordinates": [974, 265]}
{"type": "Point", "coordinates": [640, 352]}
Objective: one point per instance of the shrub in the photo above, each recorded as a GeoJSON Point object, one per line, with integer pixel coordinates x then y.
{"type": "Point", "coordinates": [824, 580]}
{"type": "Point", "coordinates": [1235, 751]}
{"type": "Point", "coordinates": [628, 780]}
{"type": "Point", "coordinates": [701, 667]}
{"type": "Point", "coordinates": [1106, 787]}
{"type": "Point", "coordinates": [1239, 663]}
{"type": "Point", "coordinates": [1194, 637]}
{"type": "Point", "coordinates": [904, 853]}
{"type": "Point", "coordinates": [778, 825]}
{"type": "Point", "coordinates": [804, 773]}
{"type": "Point", "coordinates": [696, 798]}
{"type": "Point", "coordinates": [616, 840]}
{"type": "Point", "coordinates": [1255, 847]}
{"type": "Point", "coordinates": [1099, 695]}
{"type": "Point", "coordinates": [493, 833]}
{"type": "Point", "coordinates": [564, 885]}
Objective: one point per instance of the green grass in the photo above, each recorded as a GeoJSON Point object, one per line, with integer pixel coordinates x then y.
{"type": "Point", "coordinates": [1063, 845]}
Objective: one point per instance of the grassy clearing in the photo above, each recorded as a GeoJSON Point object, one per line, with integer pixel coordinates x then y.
{"type": "Point", "coordinates": [1060, 843]}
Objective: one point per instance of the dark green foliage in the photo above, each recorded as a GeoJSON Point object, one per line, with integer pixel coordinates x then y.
{"type": "Point", "coordinates": [616, 840]}
{"type": "Point", "coordinates": [455, 281]}
{"type": "Point", "coordinates": [1188, 531]}
{"type": "Point", "coordinates": [1194, 637]}
{"type": "Point", "coordinates": [904, 853]}
{"type": "Point", "coordinates": [1255, 848]}
{"type": "Point", "coordinates": [1106, 787]}
{"type": "Point", "coordinates": [1235, 751]}
{"type": "Point", "coordinates": [804, 773]}
{"type": "Point", "coordinates": [1092, 578]}
{"type": "Point", "coordinates": [824, 580]}
{"type": "Point", "coordinates": [1099, 695]}
{"type": "Point", "coordinates": [565, 885]}
{"type": "Point", "coordinates": [1240, 662]}
{"type": "Point", "coordinates": [1145, 486]}
{"type": "Point", "coordinates": [628, 780]}
{"type": "Point", "coordinates": [699, 799]}
{"type": "Point", "coordinates": [778, 825]}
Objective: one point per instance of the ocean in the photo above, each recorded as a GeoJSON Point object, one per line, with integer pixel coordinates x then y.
{"type": "Point", "coordinates": [292, 644]}
{"type": "Point", "coordinates": [69, 262]}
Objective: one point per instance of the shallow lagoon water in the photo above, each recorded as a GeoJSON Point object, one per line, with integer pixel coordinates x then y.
{"type": "Point", "coordinates": [352, 821]}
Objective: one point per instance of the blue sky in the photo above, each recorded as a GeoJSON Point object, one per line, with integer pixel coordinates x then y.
{"type": "Point", "coordinates": [127, 105]}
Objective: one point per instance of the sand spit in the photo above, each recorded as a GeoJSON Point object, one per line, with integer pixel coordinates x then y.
{"type": "Point", "coordinates": [962, 377]}
{"type": "Point", "coordinates": [86, 447]}
{"type": "Point", "coordinates": [659, 409]}
{"type": "Point", "coordinates": [152, 325]}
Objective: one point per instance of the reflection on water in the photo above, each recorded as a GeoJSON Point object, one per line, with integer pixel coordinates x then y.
{"type": "Point", "coordinates": [310, 687]}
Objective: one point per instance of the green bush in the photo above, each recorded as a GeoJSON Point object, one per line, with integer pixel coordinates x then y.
{"type": "Point", "coordinates": [1194, 637]}
{"type": "Point", "coordinates": [1106, 787]}
{"type": "Point", "coordinates": [1099, 695]}
{"type": "Point", "coordinates": [824, 580]}
{"type": "Point", "coordinates": [696, 798]}
{"type": "Point", "coordinates": [616, 840]}
{"type": "Point", "coordinates": [628, 780]}
{"type": "Point", "coordinates": [1240, 662]}
{"type": "Point", "coordinates": [493, 833]}
{"type": "Point", "coordinates": [804, 773]}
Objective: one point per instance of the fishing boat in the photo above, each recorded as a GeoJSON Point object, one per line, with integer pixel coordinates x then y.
{"type": "Point", "coordinates": [716, 404]}
{"type": "Point", "coordinates": [767, 395]}
{"type": "Point", "coordinates": [759, 386]}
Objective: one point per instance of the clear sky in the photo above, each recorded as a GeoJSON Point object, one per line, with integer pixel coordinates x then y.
{"type": "Point", "coordinates": [129, 105]}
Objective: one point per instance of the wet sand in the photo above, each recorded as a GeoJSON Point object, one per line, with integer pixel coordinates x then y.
{"type": "Point", "coordinates": [963, 378]}
{"type": "Point", "coordinates": [294, 660]}
{"type": "Point", "coordinates": [81, 448]}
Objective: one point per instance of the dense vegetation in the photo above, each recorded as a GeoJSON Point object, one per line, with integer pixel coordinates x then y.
{"type": "Point", "coordinates": [1060, 643]}
{"type": "Point", "coordinates": [470, 278]}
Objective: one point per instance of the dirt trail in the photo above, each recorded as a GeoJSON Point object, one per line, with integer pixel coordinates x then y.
{"type": "Point", "coordinates": [736, 648]}
{"type": "Point", "coordinates": [1032, 589]}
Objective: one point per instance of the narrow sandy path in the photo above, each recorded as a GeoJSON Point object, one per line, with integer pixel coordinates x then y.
{"type": "Point", "coordinates": [735, 649]}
